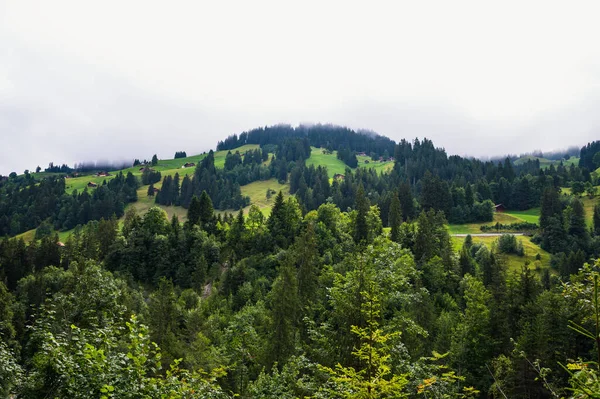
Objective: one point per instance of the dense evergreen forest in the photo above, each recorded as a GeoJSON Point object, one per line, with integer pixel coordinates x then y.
{"type": "Point", "coordinates": [349, 288]}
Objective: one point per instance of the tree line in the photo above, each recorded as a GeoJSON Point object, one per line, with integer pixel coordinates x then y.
{"type": "Point", "coordinates": [319, 304]}
{"type": "Point", "coordinates": [25, 202]}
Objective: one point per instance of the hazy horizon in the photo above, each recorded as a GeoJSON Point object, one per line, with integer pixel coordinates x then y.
{"type": "Point", "coordinates": [118, 81]}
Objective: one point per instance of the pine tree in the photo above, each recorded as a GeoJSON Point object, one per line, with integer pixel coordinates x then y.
{"type": "Point", "coordinates": [194, 211]}
{"type": "Point", "coordinates": [284, 308]}
{"type": "Point", "coordinates": [306, 252]}
{"type": "Point", "coordinates": [361, 228]}
{"type": "Point", "coordinates": [395, 218]}
{"type": "Point", "coordinates": [465, 261]}
{"type": "Point", "coordinates": [207, 212]}
{"type": "Point", "coordinates": [596, 220]}
{"type": "Point", "coordinates": [470, 200]}
{"type": "Point", "coordinates": [154, 159]}
{"type": "Point", "coordinates": [175, 190]}
{"type": "Point", "coordinates": [550, 206]}
{"type": "Point", "coordinates": [279, 224]}
{"type": "Point", "coordinates": [151, 190]}
{"type": "Point", "coordinates": [374, 378]}
{"type": "Point", "coordinates": [235, 235]}
{"type": "Point", "coordinates": [577, 226]}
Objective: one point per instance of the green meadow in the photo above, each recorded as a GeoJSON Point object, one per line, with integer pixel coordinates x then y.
{"type": "Point", "coordinates": [545, 163]}
{"type": "Point", "coordinates": [167, 167]}
{"type": "Point", "coordinates": [499, 217]}
{"type": "Point", "coordinates": [531, 215]}
{"type": "Point", "coordinates": [513, 262]}
{"type": "Point", "coordinates": [318, 156]}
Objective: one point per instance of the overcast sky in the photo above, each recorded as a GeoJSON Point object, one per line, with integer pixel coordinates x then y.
{"type": "Point", "coordinates": [83, 80]}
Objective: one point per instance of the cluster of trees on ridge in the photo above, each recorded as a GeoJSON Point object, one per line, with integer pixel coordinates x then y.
{"type": "Point", "coordinates": [26, 202]}
{"type": "Point", "coordinates": [331, 137]}
{"type": "Point", "coordinates": [462, 188]}
{"type": "Point", "coordinates": [323, 304]}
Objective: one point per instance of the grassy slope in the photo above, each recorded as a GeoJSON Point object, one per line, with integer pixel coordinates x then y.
{"type": "Point", "coordinates": [513, 262]}
{"type": "Point", "coordinates": [588, 204]}
{"type": "Point", "coordinates": [530, 215]}
{"type": "Point", "coordinates": [378, 166]}
{"type": "Point", "coordinates": [169, 167]}
{"type": "Point", "coordinates": [335, 166]}
{"type": "Point", "coordinates": [257, 191]}
{"type": "Point", "coordinates": [544, 163]}
{"type": "Point", "coordinates": [473, 228]}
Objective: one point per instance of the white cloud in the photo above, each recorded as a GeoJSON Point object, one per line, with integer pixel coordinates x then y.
{"type": "Point", "coordinates": [476, 77]}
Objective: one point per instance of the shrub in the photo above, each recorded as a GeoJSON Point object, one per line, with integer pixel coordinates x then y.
{"type": "Point", "coordinates": [508, 244]}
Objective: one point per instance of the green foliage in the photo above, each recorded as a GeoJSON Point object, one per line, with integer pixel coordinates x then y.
{"type": "Point", "coordinates": [11, 372]}
{"type": "Point", "coordinates": [470, 347]}
{"type": "Point", "coordinates": [508, 244]}
{"type": "Point", "coordinates": [308, 302]}
{"type": "Point", "coordinates": [585, 375]}
{"type": "Point", "coordinates": [284, 306]}
{"type": "Point", "coordinates": [395, 218]}
{"type": "Point", "coordinates": [81, 363]}
{"type": "Point", "coordinates": [375, 379]}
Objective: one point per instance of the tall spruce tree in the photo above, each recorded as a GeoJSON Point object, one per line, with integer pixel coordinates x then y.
{"type": "Point", "coordinates": [361, 228]}
{"type": "Point", "coordinates": [577, 226]}
{"type": "Point", "coordinates": [284, 308]}
{"type": "Point", "coordinates": [596, 220]}
{"type": "Point", "coordinates": [207, 212]}
{"type": "Point", "coordinates": [194, 211]}
{"type": "Point", "coordinates": [277, 223]}
{"type": "Point", "coordinates": [395, 218]}
{"type": "Point", "coordinates": [406, 201]}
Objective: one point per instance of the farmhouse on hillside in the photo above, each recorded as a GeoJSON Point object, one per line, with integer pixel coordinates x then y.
{"type": "Point", "coordinates": [339, 176]}
{"type": "Point", "coordinates": [188, 165]}
{"type": "Point", "coordinates": [499, 208]}
{"type": "Point", "coordinates": [92, 184]}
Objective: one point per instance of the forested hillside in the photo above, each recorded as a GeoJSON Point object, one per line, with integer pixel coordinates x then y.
{"type": "Point", "coordinates": [351, 287]}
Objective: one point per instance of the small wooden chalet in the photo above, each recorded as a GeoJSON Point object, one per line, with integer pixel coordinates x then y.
{"type": "Point", "coordinates": [189, 164]}
{"type": "Point", "coordinates": [92, 184]}
{"type": "Point", "coordinates": [499, 208]}
{"type": "Point", "coordinates": [339, 176]}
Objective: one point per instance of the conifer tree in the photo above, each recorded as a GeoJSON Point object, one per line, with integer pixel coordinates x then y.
{"type": "Point", "coordinates": [361, 228]}
{"type": "Point", "coordinates": [276, 222]}
{"type": "Point", "coordinates": [207, 212]}
{"type": "Point", "coordinates": [194, 211]}
{"type": "Point", "coordinates": [577, 226]}
{"type": "Point", "coordinates": [284, 308]}
{"type": "Point", "coordinates": [306, 252]}
{"type": "Point", "coordinates": [395, 218]}
{"type": "Point", "coordinates": [406, 201]}
{"type": "Point", "coordinates": [469, 195]}
{"type": "Point", "coordinates": [374, 378]}
{"type": "Point", "coordinates": [596, 220]}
